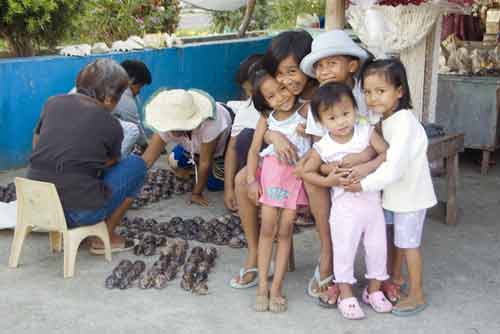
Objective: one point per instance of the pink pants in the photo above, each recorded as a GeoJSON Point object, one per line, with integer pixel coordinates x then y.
{"type": "Point", "coordinates": [354, 215]}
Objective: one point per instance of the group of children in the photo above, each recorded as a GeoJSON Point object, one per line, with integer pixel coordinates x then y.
{"type": "Point", "coordinates": [356, 136]}
{"type": "Point", "coordinates": [323, 125]}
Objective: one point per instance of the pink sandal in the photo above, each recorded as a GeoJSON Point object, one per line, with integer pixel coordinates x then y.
{"type": "Point", "coordinates": [377, 301]}
{"type": "Point", "coordinates": [350, 309]}
{"type": "Point", "coordinates": [391, 290]}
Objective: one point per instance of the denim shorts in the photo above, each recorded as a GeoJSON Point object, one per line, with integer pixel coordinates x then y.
{"type": "Point", "coordinates": [183, 159]}
{"type": "Point", "coordinates": [125, 179]}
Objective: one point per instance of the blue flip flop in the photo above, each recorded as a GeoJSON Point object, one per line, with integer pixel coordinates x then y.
{"type": "Point", "coordinates": [409, 312]}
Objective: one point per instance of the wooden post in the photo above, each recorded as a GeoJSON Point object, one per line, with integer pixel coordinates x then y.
{"type": "Point", "coordinates": [335, 14]}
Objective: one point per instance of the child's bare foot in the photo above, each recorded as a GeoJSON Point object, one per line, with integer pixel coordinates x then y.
{"type": "Point", "coordinates": [278, 304]}
{"type": "Point", "coordinates": [391, 290]}
{"type": "Point", "coordinates": [261, 303]}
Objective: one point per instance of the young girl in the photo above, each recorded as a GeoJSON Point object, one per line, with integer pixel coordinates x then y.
{"type": "Point", "coordinates": [352, 215]}
{"type": "Point", "coordinates": [281, 60]}
{"type": "Point", "coordinates": [278, 189]}
{"type": "Point", "coordinates": [404, 177]}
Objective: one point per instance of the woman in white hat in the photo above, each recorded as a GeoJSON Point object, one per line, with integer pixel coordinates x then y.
{"type": "Point", "coordinates": [199, 126]}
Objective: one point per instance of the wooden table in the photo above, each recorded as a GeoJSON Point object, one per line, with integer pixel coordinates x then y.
{"type": "Point", "coordinates": [471, 105]}
{"type": "Point", "coordinates": [447, 148]}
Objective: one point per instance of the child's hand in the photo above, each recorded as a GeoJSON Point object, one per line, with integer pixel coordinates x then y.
{"type": "Point", "coordinates": [336, 178]}
{"type": "Point", "coordinates": [300, 169]}
{"type": "Point", "coordinates": [301, 130]}
{"type": "Point", "coordinates": [353, 187]}
{"type": "Point", "coordinates": [328, 168]}
{"type": "Point", "coordinates": [359, 172]}
{"type": "Point", "coordinates": [254, 192]}
{"type": "Point", "coordinates": [198, 199]}
{"type": "Point", "coordinates": [230, 200]}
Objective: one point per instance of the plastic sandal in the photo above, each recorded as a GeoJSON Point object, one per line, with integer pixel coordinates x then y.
{"type": "Point", "coordinates": [377, 301]}
{"type": "Point", "coordinates": [331, 294]}
{"type": "Point", "coordinates": [235, 283]}
{"type": "Point", "coordinates": [350, 309]}
{"type": "Point", "coordinates": [321, 283]}
{"type": "Point", "coordinates": [409, 312]}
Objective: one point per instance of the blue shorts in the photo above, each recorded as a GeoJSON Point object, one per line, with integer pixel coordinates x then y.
{"type": "Point", "coordinates": [125, 179]}
{"type": "Point", "coordinates": [183, 159]}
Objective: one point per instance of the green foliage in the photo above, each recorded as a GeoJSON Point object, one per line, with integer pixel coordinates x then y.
{"type": "Point", "coordinates": [284, 12]}
{"type": "Point", "coordinates": [275, 14]}
{"type": "Point", "coordinates": [26, 24]}
{"type": "Point", "coordinates": [111, 20]}
{"type": "Point", "coordinates": [230, 21]}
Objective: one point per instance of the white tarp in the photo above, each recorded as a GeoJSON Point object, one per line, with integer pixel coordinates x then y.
{"type": "Point", "coordinates": [219, 5]}
{"type": "Point", "coordinates": [8, 215]}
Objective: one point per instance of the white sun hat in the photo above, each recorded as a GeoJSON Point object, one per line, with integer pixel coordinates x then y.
{"type": "Point", "coordinates": [178, 109]}
{"type": "Point", "coordinates": [328, 44]}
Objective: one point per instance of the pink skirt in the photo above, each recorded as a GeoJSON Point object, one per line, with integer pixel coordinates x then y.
{"type": "Point", "coordinates": [280, 188]}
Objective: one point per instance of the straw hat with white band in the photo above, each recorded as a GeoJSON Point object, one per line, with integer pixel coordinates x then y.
{"type": "Point", "coordinates": [178, 109]}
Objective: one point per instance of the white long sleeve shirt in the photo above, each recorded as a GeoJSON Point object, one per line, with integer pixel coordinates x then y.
{"type": "Point", "coordinates": [405, 176]}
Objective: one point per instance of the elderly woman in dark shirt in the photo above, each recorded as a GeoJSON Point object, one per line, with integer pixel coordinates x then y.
{"type": "Point", "coordinates": [78, 149]}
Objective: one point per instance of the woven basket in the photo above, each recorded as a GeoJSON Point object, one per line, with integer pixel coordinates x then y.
{"type": "Point", "coordinates": [411, 24]}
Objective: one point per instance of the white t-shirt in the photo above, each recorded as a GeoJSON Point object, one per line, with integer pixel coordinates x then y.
{"type": "Point", "coordinates": [404, 175]}
{"type": "Point", "coordinates": [206, 132]}
{"type": "Point", "coordinates": [246, 116]}
{"type": "Point", "coordinates": [364, 116]}
{"type": "Point", "coordinates": [329, 150]}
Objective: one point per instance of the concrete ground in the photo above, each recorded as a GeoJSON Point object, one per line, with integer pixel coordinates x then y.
{"type": "Point", "coordinates": [462, 282]}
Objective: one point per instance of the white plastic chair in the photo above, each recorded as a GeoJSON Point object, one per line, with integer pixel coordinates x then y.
{"type": "Point", "coordinates": [38, 205]}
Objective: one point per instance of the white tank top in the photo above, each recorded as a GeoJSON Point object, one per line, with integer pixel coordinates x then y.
{"type": "Point", "coordinates": [329, 150]}
{"type": "Point", "coordinates": [288, 127]}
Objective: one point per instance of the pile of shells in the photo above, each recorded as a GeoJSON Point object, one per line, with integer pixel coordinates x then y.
{"type": "Point", "coordinates": [8, 193]}
{"type": "Point", "coordinates": [161, 184]}
{"type": "Point", "coordinates": [125, 275]}
{"type": "Point", "coordinates": [163, 270]}
{"type": "Point", "coordinates": [148, 234]}
{"type": "Point", "coordinates": [197, 268]}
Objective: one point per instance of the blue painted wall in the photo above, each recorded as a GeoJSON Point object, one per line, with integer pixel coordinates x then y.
{"type": "Point", "coordinates": [26, 83]}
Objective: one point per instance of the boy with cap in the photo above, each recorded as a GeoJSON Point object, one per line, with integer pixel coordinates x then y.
{"type": "Point", "coordinates": [335, 57]}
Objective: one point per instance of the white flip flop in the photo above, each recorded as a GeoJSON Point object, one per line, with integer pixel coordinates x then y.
{"type": "Point", "coordinates": [321, 283]}
{"type": "Point", "coordinates": [235, 284]}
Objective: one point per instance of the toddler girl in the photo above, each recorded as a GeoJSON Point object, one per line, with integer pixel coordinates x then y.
{"type": "Point", "coordinates": [352, 215]}
{"type": "Point", "coordinates": [404, 177]}
{"type": "Point", "coordinates": [278, 189]}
